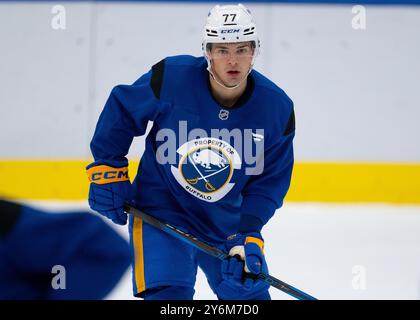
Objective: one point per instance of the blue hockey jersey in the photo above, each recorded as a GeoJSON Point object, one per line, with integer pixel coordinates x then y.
{"type": "Point", "coordinates": [207, 169]}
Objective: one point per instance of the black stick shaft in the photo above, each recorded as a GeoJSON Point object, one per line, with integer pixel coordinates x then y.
{"type": "Point", "coordinates": [213, 251]}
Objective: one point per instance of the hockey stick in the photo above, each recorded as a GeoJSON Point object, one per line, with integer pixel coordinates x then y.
{"type": "Point", "coordinates": [195, 180]}
{"type": "Point", "coordinates": [208, 184]}
{"type": "Point", "coordinates": [213, 251]}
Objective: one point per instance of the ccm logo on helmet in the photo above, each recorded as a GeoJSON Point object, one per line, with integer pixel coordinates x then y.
{"type": "Point", "coordinates": [230, 31]}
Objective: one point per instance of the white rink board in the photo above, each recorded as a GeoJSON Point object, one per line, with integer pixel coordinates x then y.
{"type": "Point", "coordinates": [355, 91]}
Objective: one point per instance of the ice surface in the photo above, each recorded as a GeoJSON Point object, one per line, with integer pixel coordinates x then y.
{"type": "Point", "coordinates": [365, 251]}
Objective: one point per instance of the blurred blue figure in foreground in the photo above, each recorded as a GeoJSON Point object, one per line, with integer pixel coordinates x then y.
{"type": "Point", "coordinates": [51, 256]}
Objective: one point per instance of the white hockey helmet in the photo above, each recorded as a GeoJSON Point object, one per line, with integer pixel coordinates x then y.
{"type": "Point", "coordinates": [230, 23]}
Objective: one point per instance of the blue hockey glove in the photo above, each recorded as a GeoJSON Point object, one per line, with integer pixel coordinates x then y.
{"type": "Point", "coordinates": [109, 189]}
{"type": "Point", "coordinates": [246, 251]}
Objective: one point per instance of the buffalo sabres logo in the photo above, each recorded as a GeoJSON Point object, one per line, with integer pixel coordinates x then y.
{"type": "Point", "coordinates": [206, 168]}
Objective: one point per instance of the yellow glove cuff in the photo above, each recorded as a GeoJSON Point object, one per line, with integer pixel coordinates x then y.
{"type": "Point", "coordinates": [104, 174]}
{"type": "Point", "coordinates": [257, 241]}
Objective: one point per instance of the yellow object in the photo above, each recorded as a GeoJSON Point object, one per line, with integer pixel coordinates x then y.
{"type": "Point", "coordinates": [397, 183]}
{"type": "Point", "coordinates": [138, 254]}
{"type": "Point", "coordinates": [257, 241]}
{"type": "Point", "coordinates": [104, 174]}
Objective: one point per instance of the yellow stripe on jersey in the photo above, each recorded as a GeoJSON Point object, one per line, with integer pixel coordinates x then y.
{"type": "Point", "coordinates": [138, 254]}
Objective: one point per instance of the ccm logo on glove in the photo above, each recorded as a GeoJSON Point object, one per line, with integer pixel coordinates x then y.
{"type": "Point", "coordinates": [104, 174]}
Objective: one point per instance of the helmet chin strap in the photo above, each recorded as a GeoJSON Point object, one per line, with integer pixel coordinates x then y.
{"type": "Point", "coordinates": [223, 85]}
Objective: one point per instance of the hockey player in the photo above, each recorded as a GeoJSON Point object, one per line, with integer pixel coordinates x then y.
{"type": "Point", "coordinates": [34, 242]}
{"type": "Point", "coordinates": [211, 115]}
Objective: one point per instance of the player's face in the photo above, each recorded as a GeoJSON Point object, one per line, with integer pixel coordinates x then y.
{"type": "Point", "coordinates": [230, 62]}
